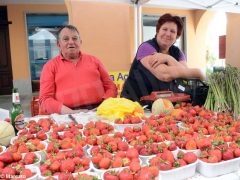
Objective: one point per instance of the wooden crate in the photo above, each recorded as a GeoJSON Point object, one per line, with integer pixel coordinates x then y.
{"type": "Point", "coordinates": [34, 106]}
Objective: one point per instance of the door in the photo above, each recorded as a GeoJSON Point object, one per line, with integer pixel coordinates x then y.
{"type": "Point", "coordinates": [6, 80]}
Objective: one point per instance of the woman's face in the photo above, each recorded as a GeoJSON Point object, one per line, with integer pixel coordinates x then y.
{"type": "Point", "coordinates": [69, 44]}
{"type": "Point", "coordinates": [167, 35]}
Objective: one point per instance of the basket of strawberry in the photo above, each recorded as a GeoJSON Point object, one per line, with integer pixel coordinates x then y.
{"type": "Point", "coordinates": [102, 160]}
{"type": "Point", "coordinates": [181, 167]}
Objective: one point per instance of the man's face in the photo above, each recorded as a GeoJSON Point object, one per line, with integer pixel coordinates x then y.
{"type": "Point", "coordinates": [69, 43]}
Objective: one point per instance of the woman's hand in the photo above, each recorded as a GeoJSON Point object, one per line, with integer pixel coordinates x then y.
{"type": "Point", "coordinates": [154, 63]}
{"type": "Point", "coordinates": [159, 58]}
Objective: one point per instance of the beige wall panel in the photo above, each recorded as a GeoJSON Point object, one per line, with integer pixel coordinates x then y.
{"type": "Point", "coordinates": [105, 31]}
{"type": "Point", "coordinates": [233, 40]}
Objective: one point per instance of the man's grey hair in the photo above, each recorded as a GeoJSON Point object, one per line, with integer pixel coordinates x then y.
{"type": "Point", "coordinates": [71, 27]}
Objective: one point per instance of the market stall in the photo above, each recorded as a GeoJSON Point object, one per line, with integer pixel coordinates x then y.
{"type": "Point", "coordinates": [186, 142]}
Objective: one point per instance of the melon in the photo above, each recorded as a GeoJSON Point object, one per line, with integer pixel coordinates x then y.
{"type": "Point", "coordinates": [161, 106]}
{"type": "Point", "coordinates": [6, 133]}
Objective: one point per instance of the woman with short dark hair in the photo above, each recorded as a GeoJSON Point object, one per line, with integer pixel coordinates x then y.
{"type": "Point", "coordinates": [158, 61]}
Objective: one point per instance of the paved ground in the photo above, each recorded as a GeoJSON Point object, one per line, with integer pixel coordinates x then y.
{"type": "Point", "coordinates": [6, 103]}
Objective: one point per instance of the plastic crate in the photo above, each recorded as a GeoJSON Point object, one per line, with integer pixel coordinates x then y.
{"type": "Point", "coordinates": [197, 89]}
{"type": "Point", "coordinates": [34, 106]}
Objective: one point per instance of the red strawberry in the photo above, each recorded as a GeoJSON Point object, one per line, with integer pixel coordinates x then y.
{"type": "Point", "coordinates": [237, 152]}
{"type": "Point", "coordinates": [172, 147]}
{"type": "Point", "coordinates": [67, 166]}
{"type": "Point", "coordinates": [190, 157]}
{"type": "Point", "coordinates": [212, 159]}
{"type": "Point", "coordinates": [168, 155]}
{"type": "Point", "coordinates": [16, 157]}
{"type": "Point", "coordinates": [29, 158]}
{"type": "Point", "coordinates": [132, 153]}
{"type": "Point", "coordinates": [122, 146]}
{"type": "Point", "coordinates": [216, 152]}
{"type": "Point", "coordinates": [1, 165]}
{"type": "Point", "coordinates": [179, 163]}
{"type": "Point", "coordinates": [227, 155]}
{"type": "Point", "coordinates": [135, 166]}
{"type": "Point", "coordinates": [55, 166]}
{"type": "Point", "coordinates": [166, 165]}
{"type": "Point", "coordinates": [104, 163]}
{"type": "Point", "coordinates": [144, 174]}
{"type": "Point", "coordinates": [41, 135]}
{"type": "Point", "coordinates": [121, 154]}
{"type": "Point", "coordinates": [180, 154]}
{"type": "Point", "coordinates": [64, 176]}
{"type": "Point", "coordinates": [96, 158]}
{"type": "Point", "coordinates": [117, 162]}
{"type": "Point", "coordinates": [125, 175]}
{"type": "Point", "coordinates": [6, 157]}
{"type": "Point", "coordinates": [8, 171]}
{"type": "Point", "coordinates": [110, 176]}
{"type": "Point", "coordinates": [27, 173]}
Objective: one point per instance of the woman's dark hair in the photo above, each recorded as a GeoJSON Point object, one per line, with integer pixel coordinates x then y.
{"type": "Point", "coordinates": [71, 27]}
{"type": "Point", "coordinates": [170, 18]}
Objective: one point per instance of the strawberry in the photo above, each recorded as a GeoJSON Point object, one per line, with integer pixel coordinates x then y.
{"type": "Point", "coordinates": [132, 153]}
{"type": "Point", "coordinates": [27, 173]}
{"type": "Point", "coordinates": [29, 158]}
{"type": "Point", "coordinates": [227, 155]}
{"type": "Point", "coordinates": [16, 157]}
{"type": "Point", "coordinates": [117, 162]}
{"type": "Point", "coordinates": [144, 174]}
{"type": "Point", "coordinates": [8, 171]}
{"type": "Point", "coordinates": [122, 146]}
{"type": "Point", "coordinates": [180, 154]}
{"type": "Point", "coordinates": [135, 166]}
{"type": "Point", "coordinates": [67, 166]}
{"type": "Point", "coordinates": [191, 145]}
{"type": "Point", "coordinates": [217, 153]}
{"type": "Point", "coordinates": [85, 161]}
{"type": "Point", "coordinates": [121, 154]}
{"type": "Point", "coordinates": [190, 157]}
{"type": "Point", "coordinates": [1, 165]}
{"type": "Point", "coordinates": [96, 158]}
{"type": "Point", "coordinates": [125, 175]}
{"type": "Point", "coordinates": [104, 163]}
{"type": "Point", "coordinates": [179, 163]}
{"type": "Point", "coordinates": [110, 176]}
{"type": "Point", "coordinates": [41, 135]}
{"type": "Point", "coordinates": [165, 165]}
{"type": "Point", "coordinates": [64, 176]}
{"type": "Point", "coordinates": [237, 152]}
{"type": "Point", "coordinates": [212, 159]}
{"type": "Point", "coordinates": [172, 147]}
{"type": "Point", "coordinates": [6, 157]}
{"type": "Point", "coordinates": [154, 170]}
{"type": "Point", "coordinates": [55, 166]}
{"type": "Point", "coordinates": [168, 155]}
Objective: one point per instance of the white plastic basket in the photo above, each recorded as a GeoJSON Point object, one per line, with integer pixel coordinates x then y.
{"type": "Point", "coordinates": [217, 169]}
{"type": "Point", "coordinates": [121, 127]}
{"type": "Point", "coordinates": [179, 173]}
{"type": "Point", "coordinates": [34, 170]}
{"type": "Point", "coordinates": [36, 164]}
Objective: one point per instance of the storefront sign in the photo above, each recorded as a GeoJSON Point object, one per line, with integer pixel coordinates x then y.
{"type": "Point", "coordinates": [119, 78]}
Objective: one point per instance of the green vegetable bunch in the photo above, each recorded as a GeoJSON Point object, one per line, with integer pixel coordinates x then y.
{"type": "Point", "coordinates": [224, 91]}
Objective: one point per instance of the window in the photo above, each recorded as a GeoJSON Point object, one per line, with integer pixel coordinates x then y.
{"type": "Point", "coordinates": [42, 41]}
{"type": "Point", "coordinates": [149, 30]}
